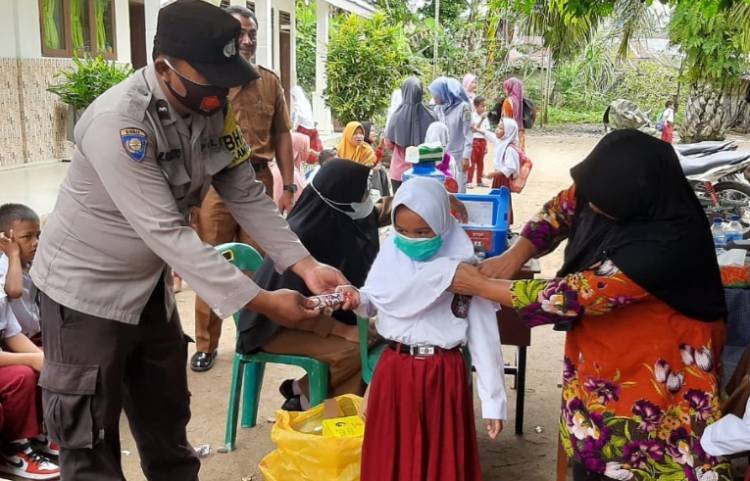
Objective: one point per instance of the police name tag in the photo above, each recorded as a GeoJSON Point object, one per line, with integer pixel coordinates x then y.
{"type": "Point", "coordinates": [134, 141]}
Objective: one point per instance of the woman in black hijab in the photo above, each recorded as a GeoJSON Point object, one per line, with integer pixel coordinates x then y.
{"type": "Point", "coordinates": [641, 297]}
{"type": "Point", "coordinates": [335, 219]}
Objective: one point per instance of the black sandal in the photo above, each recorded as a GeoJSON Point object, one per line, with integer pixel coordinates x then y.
{"type": "Point", "coordinates": [292, 404]}
{"type": "Point", "coordinates": [203, 361]}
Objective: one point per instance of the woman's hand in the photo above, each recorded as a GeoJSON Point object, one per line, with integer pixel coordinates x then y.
{"type": "Point", "coordinates": [494, 427]}
{"type": "Point", "coordinates": [509, 263]}
{"type": "Point", "coordinates": [467, 280]}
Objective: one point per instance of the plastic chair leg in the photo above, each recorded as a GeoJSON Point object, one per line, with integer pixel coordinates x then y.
{"type": "Point", "coordinates": [233, 409]}
{"type": "Point", "coordinates": [251, 393]}
{"type": "Point", "coordinates": [318, 379]}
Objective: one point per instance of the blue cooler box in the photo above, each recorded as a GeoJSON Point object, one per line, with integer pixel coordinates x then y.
{"type": "Point", "coordinates": [488, 221]}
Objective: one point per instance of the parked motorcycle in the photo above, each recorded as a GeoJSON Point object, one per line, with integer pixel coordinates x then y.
{"type": "Point", "coordinates": [721, 181]}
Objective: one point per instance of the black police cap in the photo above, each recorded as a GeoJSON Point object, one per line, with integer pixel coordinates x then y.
{"type": "Point", "coordinates": [207, 38]}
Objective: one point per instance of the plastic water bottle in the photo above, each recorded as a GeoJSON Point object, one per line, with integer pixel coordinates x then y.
{"type": "Point", "coordinates": [733, 232]}
{"type": "Point", "coordinates": [719, 234]}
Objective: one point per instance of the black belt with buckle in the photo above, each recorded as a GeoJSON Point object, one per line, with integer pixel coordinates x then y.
{"type": "Point", "coordinates": [423, 350]}
{"type": "Point", "coordinates": [260, 166]}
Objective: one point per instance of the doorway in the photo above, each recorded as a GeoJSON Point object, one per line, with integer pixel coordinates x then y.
{"type": "Point", "coordinates": [138, 54]}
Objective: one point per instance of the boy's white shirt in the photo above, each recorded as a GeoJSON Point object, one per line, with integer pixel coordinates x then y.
{"type": "Point", "coordinates": [413, 306]}
{"type": "Point", "coordinates": [481, 123]}
{"type": "Point", "coordinates": [24, 311]}
{"type": "Point", "coordinates": [668, 115]}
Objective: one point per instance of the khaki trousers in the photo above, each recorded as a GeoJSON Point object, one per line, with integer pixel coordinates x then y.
{"type": "Point", "coordinates": [342, 357]}
{"type": "Point", "coordinates": [217, 226]}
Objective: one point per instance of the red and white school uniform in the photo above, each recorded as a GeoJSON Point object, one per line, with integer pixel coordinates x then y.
{"type": "Point", "coordinates": [420, 422]}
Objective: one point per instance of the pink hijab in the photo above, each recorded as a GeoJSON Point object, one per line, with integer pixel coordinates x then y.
{"type": "Point", "coordinates": [301, 148]}
{"type": "Point", "coordinates": [514, 90]}
{"type": "Point", "coordinates": [468, 79]}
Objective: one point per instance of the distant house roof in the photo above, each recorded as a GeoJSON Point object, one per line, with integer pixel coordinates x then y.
{"type": "Point", "coordinates": [363, 8]}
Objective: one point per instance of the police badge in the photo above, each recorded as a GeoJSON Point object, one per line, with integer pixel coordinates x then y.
{"type": "Point", "coordinates": [135, 142]}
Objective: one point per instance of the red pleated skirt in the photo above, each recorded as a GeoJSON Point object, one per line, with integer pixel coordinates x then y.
{"type": "Point", "coordinates": [420, 421]}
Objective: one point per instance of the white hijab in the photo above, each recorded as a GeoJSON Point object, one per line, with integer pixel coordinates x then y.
{"type": "Point", "coordinates": [407, 289]}
{"type": "Point", "coordinates": [301, 109]}
{"type": "Point", "coordinates": [397, 98]}
{"type": "Point", "coordinates": [507, 161]}
{"type": "Point", "coordinates": [437, 132]}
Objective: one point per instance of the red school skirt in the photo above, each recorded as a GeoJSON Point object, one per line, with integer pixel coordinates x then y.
{"type": "Point", "coordinates": [420, 421]}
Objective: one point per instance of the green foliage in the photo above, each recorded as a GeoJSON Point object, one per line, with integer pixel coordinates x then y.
{"type": "Point", "coordinates": [305, 18]}
{"type": "Point", "coordinates": [567, 115]}
{"type": "Point", "coordinates": [367, 59]}
{"type": "Point", "coordinates": [712, 42]}
{"type": "Point", "coordinates": [90, 78]}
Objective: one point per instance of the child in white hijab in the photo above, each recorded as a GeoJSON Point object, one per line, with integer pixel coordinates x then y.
{"type": "Point", "coordinates": [420, 419]}
{"type": "Point", "coordinates": [507, 162]}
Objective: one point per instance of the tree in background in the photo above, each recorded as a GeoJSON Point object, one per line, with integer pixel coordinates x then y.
{"type": "Point", "coordinates": [305, 19]}
{"type": "Point", "coordinates": [367, 59]}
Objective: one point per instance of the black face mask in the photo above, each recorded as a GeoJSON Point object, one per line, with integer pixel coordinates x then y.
{"type": "Point", "coordinates": [202, 99]}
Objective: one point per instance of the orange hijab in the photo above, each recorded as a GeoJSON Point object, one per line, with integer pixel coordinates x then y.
{"type": "Point", "coordinates": [349, 150]}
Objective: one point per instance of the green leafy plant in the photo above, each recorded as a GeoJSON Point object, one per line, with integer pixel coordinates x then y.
{"type": "Point", "coordinates": [90, 77]}
{"type": "Point", "coordinates": [306, 19]}
{"type": "Point", "coordinates": [367, 59]}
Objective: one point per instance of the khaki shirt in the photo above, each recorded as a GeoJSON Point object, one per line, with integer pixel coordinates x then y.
{"type": "Point", "coordinates": [121, 214]}
{"type": "Point", "coordinates": [260, 109]}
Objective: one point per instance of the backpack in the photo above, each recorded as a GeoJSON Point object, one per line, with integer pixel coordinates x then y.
{"type": "Point", "coordinates": [518, 182]}
{"type": "Point", "coordinates": [660, 122]}
{"type": "Point", "coordinates": [529, 113]}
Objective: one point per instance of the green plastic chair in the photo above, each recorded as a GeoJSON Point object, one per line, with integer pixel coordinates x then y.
{"type": "Point", "coordinates": [369, 357]}
{"type": "Point", "coordinates": [248, 369]}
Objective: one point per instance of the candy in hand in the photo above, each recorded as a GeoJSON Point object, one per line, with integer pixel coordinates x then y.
{"type": "Point", "coordinates": [328, 300]}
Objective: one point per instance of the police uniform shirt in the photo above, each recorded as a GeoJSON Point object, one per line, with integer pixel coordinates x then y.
{"type": "Point", "coordinates": [137, 170]}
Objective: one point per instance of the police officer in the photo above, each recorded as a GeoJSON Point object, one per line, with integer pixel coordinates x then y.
{"type": "Point", "coordinates": [146, 152]}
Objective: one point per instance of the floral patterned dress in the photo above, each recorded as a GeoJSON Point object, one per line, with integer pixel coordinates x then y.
{"type": "Point", "coordinates": [640, 380]}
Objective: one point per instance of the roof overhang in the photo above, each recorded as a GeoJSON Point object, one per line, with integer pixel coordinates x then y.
{"type": "Point", "coordinates": [363, 8]}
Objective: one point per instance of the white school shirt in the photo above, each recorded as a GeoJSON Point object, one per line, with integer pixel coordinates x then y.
{"type": "Point", "coordinates": [480, 123]}
{"type": "Point", "coordinates": [729, 435]}
{"type": "Point", "coordinates": [24, 311]}
{"type": "Point", "coordinates": [508, 161]}
{"type": "Point", "coordinates": [668, 115]}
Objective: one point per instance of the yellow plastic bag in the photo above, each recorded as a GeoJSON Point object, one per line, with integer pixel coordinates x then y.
{"type": "Point", "coordinates": [304, 454]}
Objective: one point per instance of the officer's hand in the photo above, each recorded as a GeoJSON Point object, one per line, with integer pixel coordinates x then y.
{"type": "Point", "coordinates": [320, 278]}
{"type": "Point", "coordinates": [285, 307]}
{"type": "Point", "coordinates": [286, 202]}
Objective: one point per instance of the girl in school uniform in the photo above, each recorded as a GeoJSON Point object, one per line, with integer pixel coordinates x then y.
{"type": "Point", "coordinates": [507, 161]}
{"type": "Point", "coordinates": [420, 419]}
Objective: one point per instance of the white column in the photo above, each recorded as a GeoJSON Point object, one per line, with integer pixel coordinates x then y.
{"type": "Point", "coordinates": [265, 33]}
{"type": "Point", "coordinates": [320, 110]}
{"type": "Point", "coordinates": [122, 28]}
{"type": "Point", "coordinates": [293, 43]}
{"type": "Point", "coordinates": [151, 12]}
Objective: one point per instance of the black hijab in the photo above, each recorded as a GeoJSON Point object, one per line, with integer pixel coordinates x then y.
{"type": "Point", "coordinates": [331, 236]}
{"type": "Point", "coordinates": [661, 238]}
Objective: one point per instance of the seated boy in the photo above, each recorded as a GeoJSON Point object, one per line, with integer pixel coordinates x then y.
{"type": "Point", "coordinates": [22, 450]}
{"type": "Point", "coordinates": [19, 236]}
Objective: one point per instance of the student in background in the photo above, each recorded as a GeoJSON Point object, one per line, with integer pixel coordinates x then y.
{"type": "Point", "coordinates": [479, 144]}
{"type": "Point", "coordinates": [513, 107]}
{"type": "Point", "coordinates": [19, 236]}
{"type": "Point", "coordinates": [667, 118]}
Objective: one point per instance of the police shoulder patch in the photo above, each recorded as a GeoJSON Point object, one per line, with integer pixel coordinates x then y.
{"type": "Point", "coordinates": [134, 141]}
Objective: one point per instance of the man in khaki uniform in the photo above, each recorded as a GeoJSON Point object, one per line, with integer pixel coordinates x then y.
{"type": "Point", "coordinates": [146, 152]}
{"type": "Point", "coordinates": [262, 115]}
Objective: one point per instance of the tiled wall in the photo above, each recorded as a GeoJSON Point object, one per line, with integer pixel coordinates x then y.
{"type": "Point", "coordinates": [32, 120]}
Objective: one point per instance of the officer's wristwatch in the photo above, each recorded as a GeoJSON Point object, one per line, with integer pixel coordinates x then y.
{"type": "Point", "coordinates": [291, 188]}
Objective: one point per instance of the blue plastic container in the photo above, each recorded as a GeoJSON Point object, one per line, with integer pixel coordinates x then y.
{"type": "Point", "coordinates": [424, 170]}
{"type": "Point", "coordinates": [489, 214]}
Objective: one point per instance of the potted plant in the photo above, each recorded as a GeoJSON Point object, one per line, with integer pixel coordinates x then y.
{"type": "Point", "coordinates": [90, 77]}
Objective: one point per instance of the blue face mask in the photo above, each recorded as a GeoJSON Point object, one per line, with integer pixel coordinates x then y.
{"type": "Point", "coordinates": [419, 250]}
